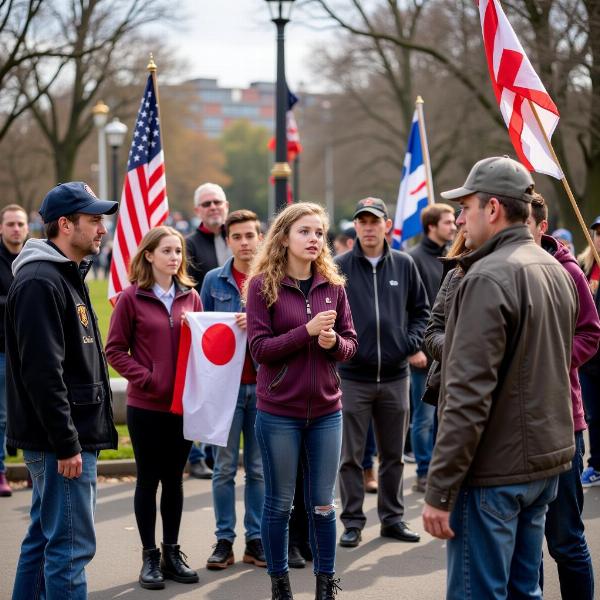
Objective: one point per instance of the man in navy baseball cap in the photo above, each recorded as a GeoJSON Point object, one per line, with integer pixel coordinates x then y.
{"type": "Point", "coordinates": [71, 198]}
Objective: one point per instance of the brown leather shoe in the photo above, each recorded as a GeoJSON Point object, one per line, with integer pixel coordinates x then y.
{"type": "Point", "coordinates": [370, 481]}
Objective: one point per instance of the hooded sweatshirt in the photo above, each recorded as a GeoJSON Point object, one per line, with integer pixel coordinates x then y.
{"type": "Point", "coordinates": [58, 391]}
{"type": "Point", "coordinates": [587, 328]}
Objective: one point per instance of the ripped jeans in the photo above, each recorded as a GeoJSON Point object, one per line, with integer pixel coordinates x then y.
{"type": "Point", "coordinates": [286, 442]}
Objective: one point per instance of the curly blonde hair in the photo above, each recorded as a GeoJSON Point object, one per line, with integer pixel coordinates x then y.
{"type": "Point", "coordinates": [271, 259]}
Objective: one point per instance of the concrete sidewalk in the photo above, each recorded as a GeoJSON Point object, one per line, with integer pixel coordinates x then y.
{"type": "Point", "coordinates": [378, 569]}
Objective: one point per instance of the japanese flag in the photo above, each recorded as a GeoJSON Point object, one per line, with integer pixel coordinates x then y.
{"type": "Point", "coordinates": [209, 369]}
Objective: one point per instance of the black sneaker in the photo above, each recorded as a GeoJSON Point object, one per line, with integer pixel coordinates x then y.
{"type": "Point", "coordinates": [222, 556]}
{"type": "Point", "coordinates": [254, 553]}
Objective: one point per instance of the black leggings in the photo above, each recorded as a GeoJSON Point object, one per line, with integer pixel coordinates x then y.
{"type": "Point", "coordinates": [160, 455]}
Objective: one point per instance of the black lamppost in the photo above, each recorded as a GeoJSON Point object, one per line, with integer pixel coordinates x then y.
{"type": "Point", "coordinates": [280, 15]}
{"type": "Point", "coordinates": [115, 135]}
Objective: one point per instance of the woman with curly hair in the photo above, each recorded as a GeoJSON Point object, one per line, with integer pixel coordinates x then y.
{"type": "Point", "coordinates": [299, 326]}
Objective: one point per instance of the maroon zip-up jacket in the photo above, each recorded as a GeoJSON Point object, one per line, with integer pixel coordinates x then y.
{"type": "Point", "coordinates": [296, 377]}
{"type": "Point", "coordinates": [142, 343]}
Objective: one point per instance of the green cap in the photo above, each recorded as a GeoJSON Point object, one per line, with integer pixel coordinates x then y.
{"type": "Point", "coordinates": [496, 175]}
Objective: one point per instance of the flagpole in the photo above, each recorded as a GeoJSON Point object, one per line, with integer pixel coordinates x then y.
{"type": "Point", "coordinates": [152, 68]}
{"type": "Point", "coordinates": [566, 185]}
{"type": "Point", "coordinates": [428, 178]}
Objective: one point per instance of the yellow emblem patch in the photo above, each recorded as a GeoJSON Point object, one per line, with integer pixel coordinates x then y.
{"type": "Point", "coordinates": [83, 314]}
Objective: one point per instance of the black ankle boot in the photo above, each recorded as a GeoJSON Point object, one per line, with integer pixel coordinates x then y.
{"type": "Point", "coordinates": [280, 587]}
{"type": "Point", "coordinates": [150, 576]}
{"type": "Point", "coordinates": [173, 565]}
{"type": "Point", "coordinates": [327, 587]}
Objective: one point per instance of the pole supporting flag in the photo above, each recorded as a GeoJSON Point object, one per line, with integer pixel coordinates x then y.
{"type": "Point", "coordinates": [144, 203]}
{"type": "Point", "coordinates": [416, 186]}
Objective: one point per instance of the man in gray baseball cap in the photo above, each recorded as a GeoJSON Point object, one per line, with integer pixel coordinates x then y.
{"type": "Point", "coordinates": [499, 177]}
{"type": "Point", "coordinates": [505, 425]}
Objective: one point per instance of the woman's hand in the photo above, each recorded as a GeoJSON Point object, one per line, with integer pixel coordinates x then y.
{"type": "Point", "coordinates": [327, 338]}
{"type": "Point", "coordinates": [321, 321]}
{"type": "Point", "coordinates": [240, 320]}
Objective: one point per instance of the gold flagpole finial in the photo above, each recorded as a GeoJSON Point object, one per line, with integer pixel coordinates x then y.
{"type": "Point", "coordinates": [419, 100]}
{"type": "Point", "coordinates": [152, 65]}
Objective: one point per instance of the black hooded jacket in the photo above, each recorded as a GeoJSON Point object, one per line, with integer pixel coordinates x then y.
{"type": "Point", "coordinates": [58, 391]}
{"type": "Point", "coordinates": [390, 312]}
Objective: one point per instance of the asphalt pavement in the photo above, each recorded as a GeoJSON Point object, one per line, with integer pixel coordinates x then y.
{"type": "Point", "coordinates": [379, 568]}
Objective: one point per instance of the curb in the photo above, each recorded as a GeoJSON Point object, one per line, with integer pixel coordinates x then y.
{"type": "Point", "coordinates": [106, 468]}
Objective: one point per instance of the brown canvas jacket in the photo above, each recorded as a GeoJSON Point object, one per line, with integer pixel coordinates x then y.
{"type": "Point", "coordinates": [505, 408]}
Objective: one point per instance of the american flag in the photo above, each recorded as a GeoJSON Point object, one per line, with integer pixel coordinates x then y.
{"type": "Point", "coordinates": [144, 203]}
{"type": "Point", "coordinates": [519, 91]}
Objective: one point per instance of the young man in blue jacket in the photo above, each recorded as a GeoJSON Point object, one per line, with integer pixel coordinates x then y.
{"type": "Point", "coordinates": [221, 291]}
{"type": "Point", "coordinates": [390, 311]}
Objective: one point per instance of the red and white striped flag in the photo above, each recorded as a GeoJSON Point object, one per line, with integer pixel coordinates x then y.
{"type": "Point", "coordinates": [516, 84]}
{"type": "Point", "coordinates": [144, 203]}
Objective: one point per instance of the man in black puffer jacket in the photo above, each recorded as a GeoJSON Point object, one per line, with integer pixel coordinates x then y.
{"type": "Point", "coordinates": [59, 402]}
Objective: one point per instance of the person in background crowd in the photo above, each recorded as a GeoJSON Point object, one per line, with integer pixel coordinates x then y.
{"type": "Point", "coordinates": [503, 438]}
{"type": "Point", "coordinates": [299, 325]}
{"type": "Point", "coordinates": [13, 233]}
{"type": "Point", "coordinates": [143, 339]}
{"type": "Point", "coordinates": [58, 392]}
{"type": "Point", "coordinates": [564, 523]}
{"type": "Point", "coordinates": [344, 241]}
{"type": "Point", "coordinates": [433, 341]}
{"type": "Point", "coordinates": [565, 237]}
{"type": "Point", "coordinates": [589, 373]}
{"type": "Point", "coordinates": [206, 249]}
{"type": "Point", "coordinates": [439, 230]}
{"type": "Point", "coordinates": [221, 291]}
{"type": "Point", "coordinates": [389, 306]}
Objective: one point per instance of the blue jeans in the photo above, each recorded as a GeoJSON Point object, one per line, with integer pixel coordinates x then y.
{"type": "Point", "coordinates": [316, 444]}
{"type": "Point", "coordinates": [370, 448]}
{"type": "Point", "coordinates": [497, 546]}
{"type": "Point", "coordinates": [226, 464]}
{"type": "Point", "coordinates": [590, 390]}
{"type": "Point", "coordinates": [422, 423]}
{"type": "Point", "coordinates": [565, 532]}
{"type": "Point", "coordinates": [2, 410]}
{"type": "Point", "coordinates": [61, 539]}
{"type": "Point", "coordinates": [197, 452]}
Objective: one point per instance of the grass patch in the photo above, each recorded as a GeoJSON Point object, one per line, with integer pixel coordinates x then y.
{"type": "Point", "coordinates": [102, 308]}
{"type": "Point", "coordinates": [125, 449]}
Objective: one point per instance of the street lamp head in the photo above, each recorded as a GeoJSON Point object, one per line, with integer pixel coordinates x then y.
{"type": "Point", "coordinates": [115, 133]}
{"type": "Point", "coordinates": [100, 112]}
{"type": "Point", "coordinates": [281, 10]}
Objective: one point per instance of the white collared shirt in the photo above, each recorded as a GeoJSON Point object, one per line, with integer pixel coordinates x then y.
{"type": "Point", "coordinates": [165, 297]}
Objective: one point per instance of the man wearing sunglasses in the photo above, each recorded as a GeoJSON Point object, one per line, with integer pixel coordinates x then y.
{"type": "Point", "coordinates": [206, 250]}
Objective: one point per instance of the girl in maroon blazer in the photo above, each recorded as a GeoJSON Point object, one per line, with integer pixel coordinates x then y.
{"type": "Point", "coordinates": [299, 326]}
{"type": "Point", "coordinates": [142, 346]}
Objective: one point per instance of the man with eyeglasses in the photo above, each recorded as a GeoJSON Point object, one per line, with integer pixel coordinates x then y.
{"type": "Point", "coordinates": [206, 247]}
{"type": "Point", "coordinates": [206, 250]}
